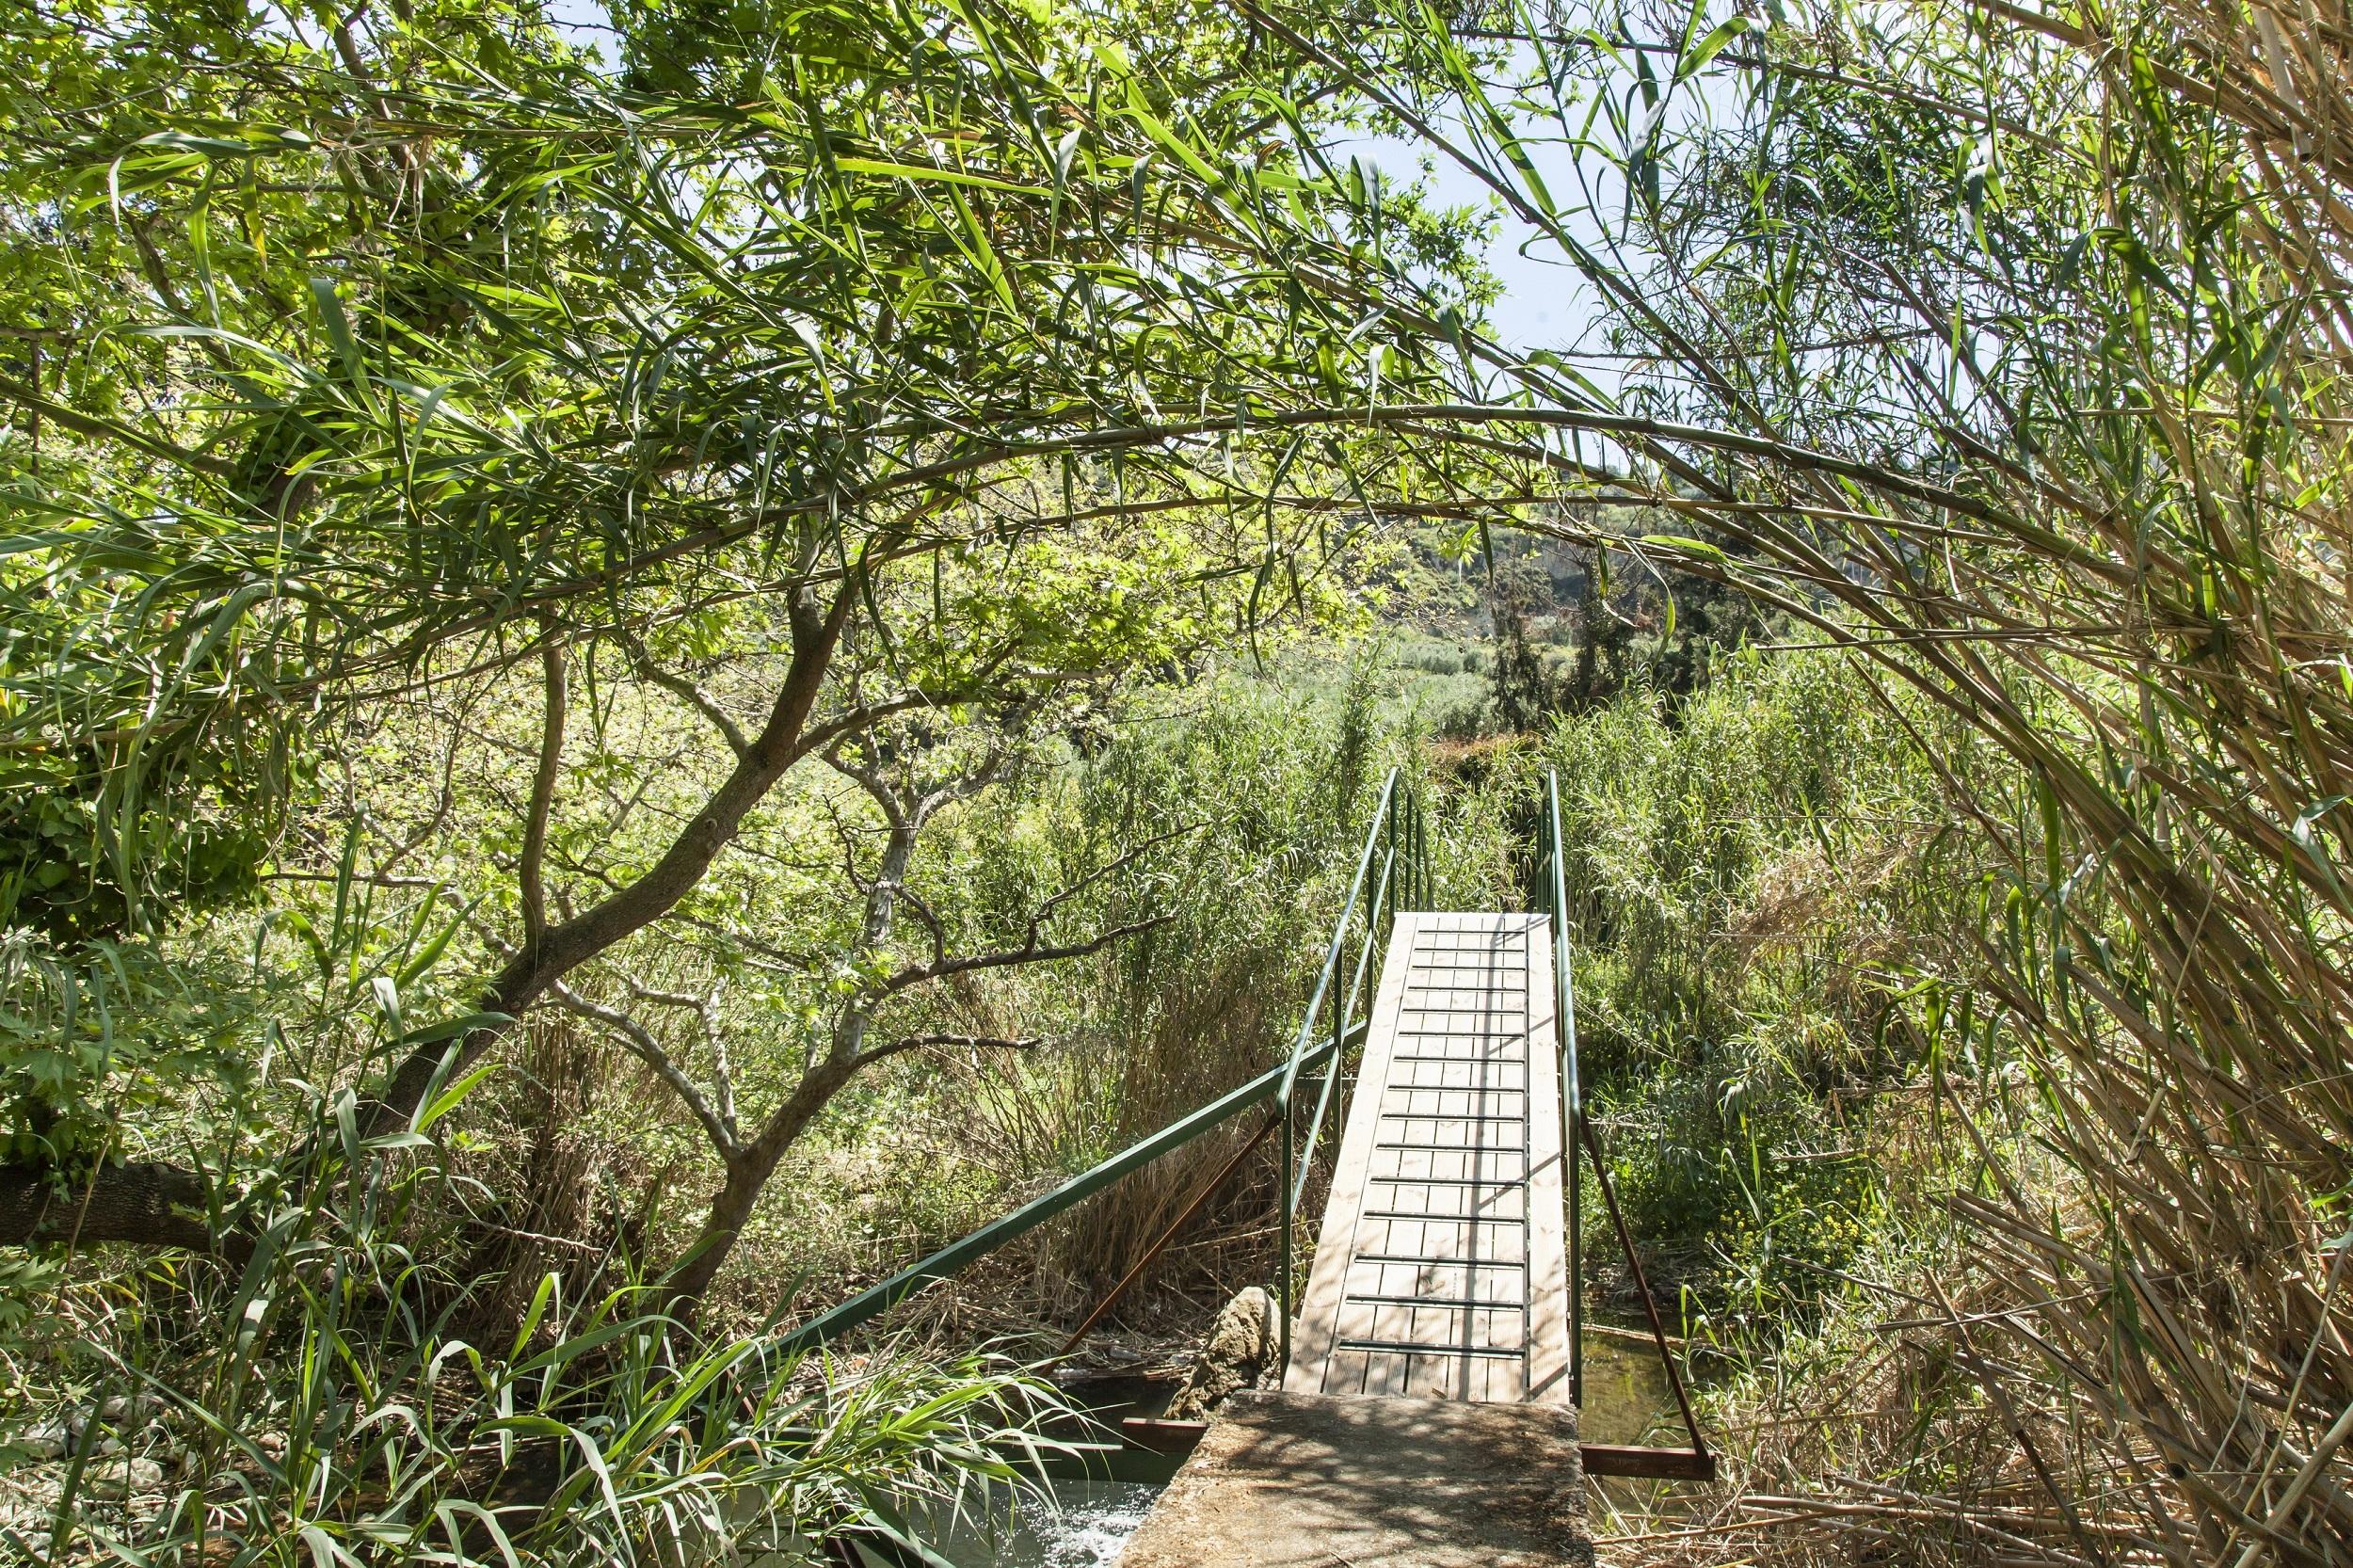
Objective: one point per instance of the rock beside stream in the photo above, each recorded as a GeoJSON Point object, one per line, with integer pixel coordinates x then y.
{"type": "Point", "coordinates": [1241, 1347]}
{"type": "Point", "coordinates": [121, 1480]}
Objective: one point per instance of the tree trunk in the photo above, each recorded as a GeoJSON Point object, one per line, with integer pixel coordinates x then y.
{"type": "Point", "coordinates": [596, 930]}
{"type": "Point", "coordinates": [149, 1202]}
{"type": "Point", "coordinates": [747, 1176]}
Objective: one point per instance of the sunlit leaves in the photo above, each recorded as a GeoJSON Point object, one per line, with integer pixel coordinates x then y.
{"type": "Point", "coordinates": [451, 332]}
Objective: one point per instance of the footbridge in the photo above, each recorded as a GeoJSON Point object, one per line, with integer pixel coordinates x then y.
{"type": "Point", "coordinates": [1442, 1266]}
{"type": "Point", "coordinates": [1430, 1320]}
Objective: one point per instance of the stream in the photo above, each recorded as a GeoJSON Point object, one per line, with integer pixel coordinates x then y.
{"type": "Point", "coordinates": [1087, 1506]}
{"type": "Point", "coordinates": [1084, 1524]}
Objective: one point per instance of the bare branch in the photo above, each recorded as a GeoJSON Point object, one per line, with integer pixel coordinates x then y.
{"type": "Point", "coordinates": [894, 807]}
{"type": "Point", "coordinates": [862, 716]}
{"type": "Point", "coordinates": [722, 1069]}
{"type": "Point", "coordinates": [773, 957]}
{"type": "Point", "coordinates": [718, 1125]}
{"type": "Point", "coordinates": [966, 1042]}
{"type": "Point", "coordinates": [705, 1011]}
{"type": "Point", "coordinates": [884, 892]}
{"type": "Point", "coordinates": [668, 998]}
{"type": "Point", "coordinates": [530, 870]}
{"type": "Point", "coordinates": [1043, 911]}
{"type": "Point", "coordinates": [846, 838]}
{"type": "Point", "coordinates": [688, 693]}
{"type": "Point", "coordinates": [1031, 952]}
{"type": "Point", "coordinates": [925, 912]}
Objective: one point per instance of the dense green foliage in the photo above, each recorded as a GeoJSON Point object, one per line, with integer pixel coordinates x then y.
{"type": "Point", "coordinates": [1756, 883]}
{"type": "Point", "coordinates": [590, 641]}
{"type": "Point", "coordinates": [873, 359]}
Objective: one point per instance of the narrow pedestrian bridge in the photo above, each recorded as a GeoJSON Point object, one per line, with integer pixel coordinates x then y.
{"type": "Point", "coordinates": [1423, 1407]}
{"type": "Point", "coordinates": [1441, 1268]}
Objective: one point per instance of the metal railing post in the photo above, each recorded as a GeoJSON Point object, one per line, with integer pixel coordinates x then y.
{"type": "Point", "coordinates": [1284, 1265]}
{"type": "Point", "coordinates": [1421, 858]}
{"type": "Point", "coordinates": [1347, 1012]}
{"type": "Point", "coordinates": [1409, 861]}
{"type": "Point", "coordinates": [1388, 852]}
{"type": "Point", "coordinates": [1572, 1087]}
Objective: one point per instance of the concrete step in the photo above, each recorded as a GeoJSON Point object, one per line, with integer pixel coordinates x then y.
{"type": "Point", "coordinates": [1318, 1481]}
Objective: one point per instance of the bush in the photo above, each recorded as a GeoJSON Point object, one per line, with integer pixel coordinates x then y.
{"type": "Point", "coordinates": [1749, 874]}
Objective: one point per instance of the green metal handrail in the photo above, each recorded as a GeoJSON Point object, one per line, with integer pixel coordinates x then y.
{"type": "Point", "coordinates": [1348, 1010]}
{"type": "Point", "coordinates": [958, 1256]}
{"type": "Point", "coordinates": [1572, 1082]}
{"type": "Point", "coordinates": [1580, 1137]}
{"type": "Point", "coordinates": [1397, 833]}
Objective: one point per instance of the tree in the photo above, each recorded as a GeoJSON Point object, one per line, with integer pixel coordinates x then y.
{"type": "Point", "coordinates": [900, 769]}
{"type": "Point", "coordinates": [921, 358]}
{"type": "Point", "coordinates": [1517, 591]}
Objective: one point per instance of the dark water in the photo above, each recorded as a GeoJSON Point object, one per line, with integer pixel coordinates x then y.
{"type": "Point", "coordinates": [1627, 1400]}
{"type": "Point", "coordinates": [1626, 1396]}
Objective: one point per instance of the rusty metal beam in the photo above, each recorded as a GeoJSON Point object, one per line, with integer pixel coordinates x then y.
{"type": "Point", "coordinates": [1200, 1200]}
{"type": "Point", "coordinates": [1615, 1459]}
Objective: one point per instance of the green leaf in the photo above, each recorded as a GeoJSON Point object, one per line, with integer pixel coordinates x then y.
{"type": "Point", "coordinates": [923, 174]}
{"type": "Point", "coordinates": [346, 349]}
{"type": "Point", "coordinates": [1688, 545]}
{"type": "Point", "coordinates": [1691, 62]}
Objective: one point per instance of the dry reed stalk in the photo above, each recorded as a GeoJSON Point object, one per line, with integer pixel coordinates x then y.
{"type": "Point", "coordinates": [2149, 627]}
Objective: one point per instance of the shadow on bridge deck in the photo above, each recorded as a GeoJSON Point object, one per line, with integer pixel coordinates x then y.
{"type": "Point", "coordinates": [1312, 1481]}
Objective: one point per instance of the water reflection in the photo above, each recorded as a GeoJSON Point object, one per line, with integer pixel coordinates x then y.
{"type": "Point", "coordinates": [1627, 1399]}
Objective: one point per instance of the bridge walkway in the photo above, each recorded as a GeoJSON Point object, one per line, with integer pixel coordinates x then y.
{"type": "Point", "coordinates": [1441, 1269]}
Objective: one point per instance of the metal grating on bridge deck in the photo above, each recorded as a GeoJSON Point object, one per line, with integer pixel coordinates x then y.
{"type": "Point", "coordinates": [1441, 1270]}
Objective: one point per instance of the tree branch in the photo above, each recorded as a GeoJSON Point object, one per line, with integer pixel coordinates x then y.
{"type": "Point", "coordinates": [817, 629]}
{"type": "Point", "coordinates": [864, 716]}
{"type": "Point", "coordinates": [688, 693]}
{"type": "Point", "coordinates": [718, 1125]}
{"type": "Point", "coordinates": [968, 1042]}
{"type": "Point", "coordinates": [149, 1203]}
{"type": "Point", "coordinates": [705, 1011]}
{"type": "Point", "coordinates": [1040, 915]}
{"type": "Point", "coordinates": [108, 430]}
{"type": "Point", "coordinates": [1031, 952]}
{"type": "Point", "coordinates": [531, 867]}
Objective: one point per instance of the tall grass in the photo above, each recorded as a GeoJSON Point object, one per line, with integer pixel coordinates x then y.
{"type": "Point", "coordinates": [1757, 871]}
{"type": "Point", "coordinates": [325, 1406]}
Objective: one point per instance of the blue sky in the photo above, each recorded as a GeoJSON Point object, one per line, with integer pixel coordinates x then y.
{"type": "Point", "coordinates": [1545, 303]}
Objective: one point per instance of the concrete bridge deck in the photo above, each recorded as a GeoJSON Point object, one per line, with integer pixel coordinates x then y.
{"type": "Point", "coordinates": [1332, 1481]}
